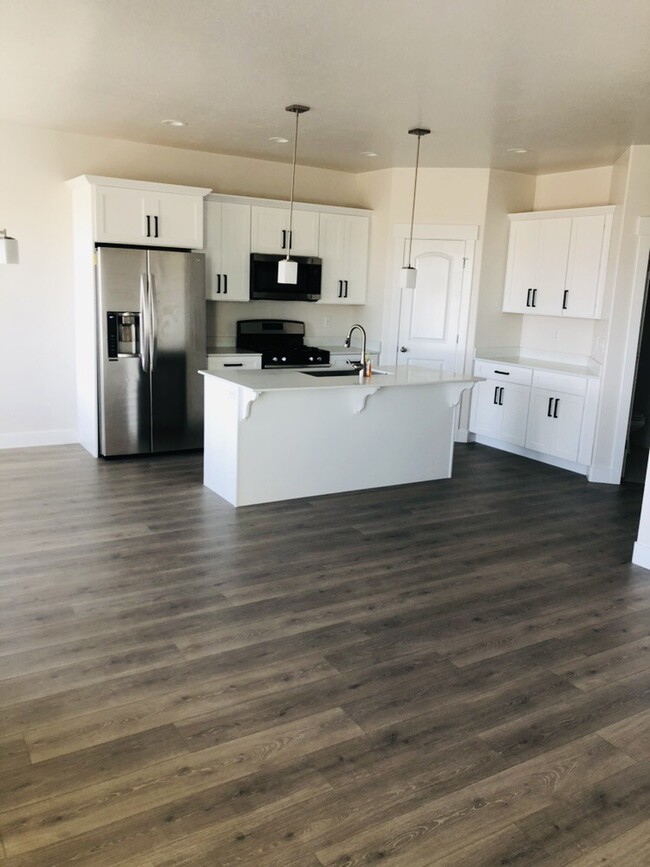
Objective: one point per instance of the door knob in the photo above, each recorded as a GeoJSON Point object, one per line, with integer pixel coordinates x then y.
{"type": "Point", "coordinates": [403, 349]}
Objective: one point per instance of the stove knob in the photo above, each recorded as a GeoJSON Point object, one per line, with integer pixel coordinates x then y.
{"type": "Point", "coordinates": [311, 357]}
{"type": "Point", "coordinates": [275, 359]}
{"type": "Point", "coordinates": [284, 358]}
{"type": "Point", "coordinates": [319, 358]}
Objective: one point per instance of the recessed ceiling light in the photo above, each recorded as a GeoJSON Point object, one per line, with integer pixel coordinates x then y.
{"type": "Point", "coordinates": [517, 151]}
{"type": "Point", "coordinates": [171, 122]}
{"type": "Point", "coordinates": [278, 139]}
{"type": "Point", "coordinates": [369, 154]}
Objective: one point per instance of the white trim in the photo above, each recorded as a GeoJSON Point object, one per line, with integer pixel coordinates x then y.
{"type": "Point", "coordinates": [29, 439]}
{"type": "Point", "coordinates": [641, 555]}
{"type": "Point", "coordinates": [503, 446]}
{"type": "Point", "coordinates": [603, 476]}
{"type": "Point", "coordinates": [631, 346]}
{"type": "Point", "coordinates": [564, 212]}
{"type": "Point", "coordinates": [281, 203]}
{"type": "Point", "coordinates": [145, 186]}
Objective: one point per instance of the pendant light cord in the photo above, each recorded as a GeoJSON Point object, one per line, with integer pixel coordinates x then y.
{"type": "Point", "coordinates": [415, 186]}
{"type": "Point", "coordinates": [293, 183]}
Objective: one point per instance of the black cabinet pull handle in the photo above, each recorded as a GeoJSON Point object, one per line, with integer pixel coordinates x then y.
{"type": "Point", "coordinates": [501, 396]}
{"type": "Point", "coordinates": [284, 239]}
{"type": "Point", "coordinates": [155, 226]}
{"type": "Point", "coordinates": [557, 403]}
{"type": "Point", "coordinates": [233, 364]}
{"type": "Point", "coordinates": [565, 298]}
{"type": "Point", "coordinates": [291, 239]}
{"type": "Point", "coordinates": [549, 411]}
{"type": "Point", "coordinates": [503, 372]}
{"type": "Point", "coordinates": [340, 288]}
{"type": "Point", "coordinates": [496, 395]}
{"type": "Point", "coordinates": [218, 284]}
{"type": "Point", "coordinates": [534, 298]}
{"type": "Point", "coordinates": [148, 226]}
{"type": "Point", "coordinates": [346, 288]}
{"type": "Point", "coordinates": [528, 298]}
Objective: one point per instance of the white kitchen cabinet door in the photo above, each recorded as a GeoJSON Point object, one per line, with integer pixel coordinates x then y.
{"type": "Point", "coordinates": [500, 410]}
{"type": "Point", "coordinates": [270, 231]}
{"type": "Point", "coordinates": [133, 216]}
{"type": "Point", "coordinates": [227, 249]}
{"type": "Point", "coordinates": [555, 423]}
{"type": "Point", "coordinates": [552, 262]}
{"type": "Point", "coordinates": [585, 272]}
{"type": "Point", "coordinates": [557, 264]}
{"type": "Point", "coordinates": [343, 247]}
{"type": "Point", "coordinates": [523, 257]}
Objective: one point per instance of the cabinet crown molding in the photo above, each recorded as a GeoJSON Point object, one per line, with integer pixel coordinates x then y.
{"type": "Point", "coordinates": [563, 212]}
{"type": "Point", "coordinates": [281, 203]}
{"type": "Point", "coordinates": [145, 186]}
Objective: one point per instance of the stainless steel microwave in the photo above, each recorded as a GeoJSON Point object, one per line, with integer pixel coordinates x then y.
{"type": "Point", "coordinates": [264, 284]}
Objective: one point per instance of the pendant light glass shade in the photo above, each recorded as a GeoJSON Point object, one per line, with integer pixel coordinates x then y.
{"type": "Point", "coordinates": [8, 249]}
{"type": "Point", "coordinates": [287, 268]}
{"type": "Point", "coordinates": [408, 274]}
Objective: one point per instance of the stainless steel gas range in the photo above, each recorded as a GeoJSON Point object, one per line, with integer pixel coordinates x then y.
{"type": "Point", "coordinates": [281, 342]}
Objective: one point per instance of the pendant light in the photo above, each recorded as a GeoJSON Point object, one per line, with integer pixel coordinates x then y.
{"type": "Point", "coordinates": [408, 274]}
{"type": "Point", "coordinates": [287, 268]}
{"type": "Point", "coordinates": [8, 249]}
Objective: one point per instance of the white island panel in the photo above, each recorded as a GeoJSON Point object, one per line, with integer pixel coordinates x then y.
{"type": "Point", "coordinates": [279, 435]}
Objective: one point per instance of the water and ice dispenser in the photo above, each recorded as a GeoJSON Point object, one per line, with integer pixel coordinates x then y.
{"type": "Point", "coordinates": [123, 331]}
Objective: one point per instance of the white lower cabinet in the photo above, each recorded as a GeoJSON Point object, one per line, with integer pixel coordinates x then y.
{"type": "Point", "coordinates": [235, 361]}
{"type": "Point", "coordinates": [501, 410]}
{"type": "Point", "coordinates": [540, 410]}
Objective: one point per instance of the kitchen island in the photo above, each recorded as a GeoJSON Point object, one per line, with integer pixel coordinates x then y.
{"type": "Point", "coordinates": [281, 434]}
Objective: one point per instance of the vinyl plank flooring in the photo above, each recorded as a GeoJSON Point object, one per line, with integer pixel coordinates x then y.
{"type": "Point", "coordinates": [447, 673]}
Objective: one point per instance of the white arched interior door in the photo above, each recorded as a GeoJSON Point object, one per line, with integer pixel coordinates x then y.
{"type": "Point", "coordinates": [430, 314]}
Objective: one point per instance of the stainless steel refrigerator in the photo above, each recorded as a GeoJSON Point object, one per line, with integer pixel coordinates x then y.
{"type": "Point", "coordinates": [151, 343]}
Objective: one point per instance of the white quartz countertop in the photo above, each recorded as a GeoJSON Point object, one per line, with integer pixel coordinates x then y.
{"type": "Point", "coordinates": [541, 364]}
{"type": "Point", "coordinates": [288, 380]}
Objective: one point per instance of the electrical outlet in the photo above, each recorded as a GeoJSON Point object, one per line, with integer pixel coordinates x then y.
{"type": "Point", "coordinates": [327, 322]}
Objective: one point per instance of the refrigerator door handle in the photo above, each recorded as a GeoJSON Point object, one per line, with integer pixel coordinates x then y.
{"type": "Point", "coordinates": [152, 321]}
{"type": "Point", "coordinates": [144, 329]}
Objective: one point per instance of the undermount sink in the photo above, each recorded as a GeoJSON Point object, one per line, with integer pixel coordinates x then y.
{"type": "Point", "coordinates": [341, 372]}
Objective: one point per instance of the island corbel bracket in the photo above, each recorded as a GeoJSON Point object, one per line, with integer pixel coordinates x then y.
{"type": "Point", "coordinates": [248, 398]}
{"type": "Point", "coordinates": [454, 390]}
{"type": "Point", "coordinates": [360, 399]}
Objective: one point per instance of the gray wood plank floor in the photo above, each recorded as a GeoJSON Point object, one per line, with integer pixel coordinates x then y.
{"type": "Point", "coordinates": [453, 673]}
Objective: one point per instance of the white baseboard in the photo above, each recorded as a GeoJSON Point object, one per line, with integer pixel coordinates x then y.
{"type": "Point", "coordinates": [462, 435]}
{"type": "Point", "coordinates": [37, 438]}
{"type": "Point", "coordinates": [561, 463]}
{"type": "Point", "coordinates": [604, 476]}
{"type": "Point", "coordinates": [641, 555]}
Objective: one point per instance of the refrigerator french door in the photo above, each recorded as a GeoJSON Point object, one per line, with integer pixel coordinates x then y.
{"type": "Point", "coordinates": [151, 343]}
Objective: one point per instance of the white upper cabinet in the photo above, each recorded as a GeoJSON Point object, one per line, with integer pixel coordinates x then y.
{"type": "Point", "coordinates": [557, 262]}
{"type": "Point", "coordinates": [344, 250]}
{"type": "Point", "coordinates": [227, 250]}
{"type": "Point", "coordinates": [270, 231]}
{"type": "Point", "coordinates": [155, 215]}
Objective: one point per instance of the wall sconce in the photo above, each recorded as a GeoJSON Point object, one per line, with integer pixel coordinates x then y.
{"type": "Point", "coordinates": [8, 249]}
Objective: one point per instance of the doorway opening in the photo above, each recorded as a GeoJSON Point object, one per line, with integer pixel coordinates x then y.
{"type": "Point", "coordinates": [637, 446]}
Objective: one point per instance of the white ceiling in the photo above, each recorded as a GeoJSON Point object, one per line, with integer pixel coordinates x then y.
{"type": "Point", "coordinates": [567, 79]}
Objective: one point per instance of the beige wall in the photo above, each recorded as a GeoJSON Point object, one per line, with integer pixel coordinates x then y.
{"type": "Point", "coordinates": [37, 381]}
{"type": "Point", "coordinates": [579, 189]}
{"type": "Point", "coordinates": [509, 192]}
